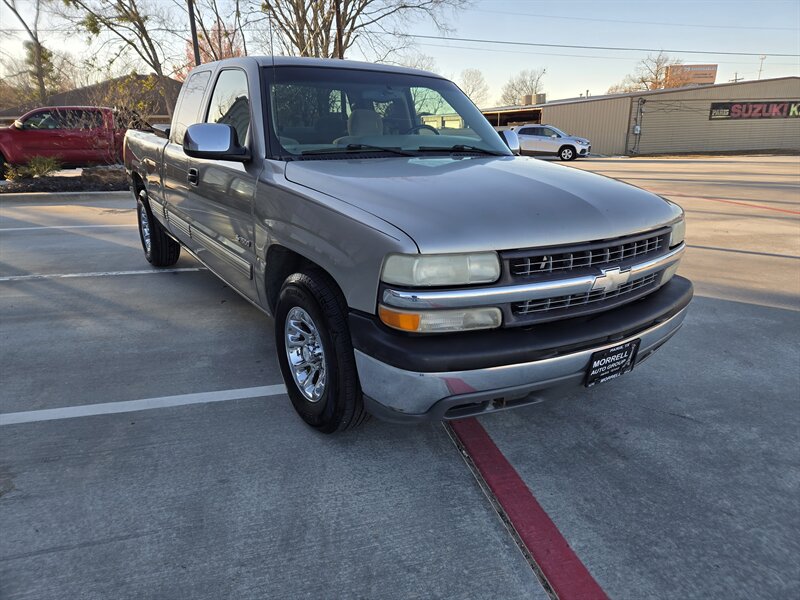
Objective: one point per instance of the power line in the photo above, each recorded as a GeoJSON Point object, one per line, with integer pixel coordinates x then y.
{"type": "Point", "coordinates": [571, 18]}
{"type": "Point", "coordinates": [581, 47]}
{"type": "Point", "coordinates": [486, 41]}
{"type": "Point", "coordinates": [596, 56]}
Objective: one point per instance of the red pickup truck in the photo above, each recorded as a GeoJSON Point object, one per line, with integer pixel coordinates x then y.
{"type": "Point", "coordinates": [77, 136]}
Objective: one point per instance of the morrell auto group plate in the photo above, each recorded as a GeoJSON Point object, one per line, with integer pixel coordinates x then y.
{"type": "Point", "coordinates": [610, 363]}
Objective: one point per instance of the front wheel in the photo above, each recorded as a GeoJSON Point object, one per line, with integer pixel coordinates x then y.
{"type": "Point", "coordinates": [567, 153]}
{"type": "Point", "coordinates": [315, 353]}
{"type": "Point", "coordinates": [160, 250]}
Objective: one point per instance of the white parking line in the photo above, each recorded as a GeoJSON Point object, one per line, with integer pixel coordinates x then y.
{"type": "Point", "coordinates": [65, 227]}
{"type": "Point", "coordinates": [100, 274]}
{"type": "Point", "coordinates": [110, 408]}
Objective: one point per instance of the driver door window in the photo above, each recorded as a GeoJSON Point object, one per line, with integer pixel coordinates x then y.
{"type": "Point", "coordinates": [230, 103]}
{"type": "Point", "coordinates": [550, 144]}
{"type": "Point", "coordinates": [42, 120]}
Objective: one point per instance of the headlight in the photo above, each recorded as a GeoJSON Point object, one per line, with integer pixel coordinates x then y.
{"type": "Point", "coordinates": [422, 270]}
{"type": "Point", "coordinates": [678, 233]}
{"type": "Point", "coordinates": [439, 321]}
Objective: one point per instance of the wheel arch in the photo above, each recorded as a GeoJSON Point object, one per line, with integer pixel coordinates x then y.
{"type": "Point", "coordinates": [138, 186]}
{"type": "Point", "coordinates": [282, 262]}
{"type": "Point", "coordinates": [571, 147]}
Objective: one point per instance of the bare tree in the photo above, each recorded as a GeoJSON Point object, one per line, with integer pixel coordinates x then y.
{"type": "Point", "coordinates": [37, 56]}
{"type": "Point", "coordinates": [473, 84]}
{"type": "Point", "coordinates": [222, 40]}
{"type": "Point", "coordinates": [10, 94]}
{"type": "Point", "coordinates": [217, 39]}
{"type": "Point", "coordinates": [132, 27]}
{"type": "Point", "coordinates": [328, 28]}
{"type": "Point", "coordinates": [527, 82]}
{"type": "Point", "coordinates": [416, 60]}
{"type": "Point", "coordinates": [652, 73]}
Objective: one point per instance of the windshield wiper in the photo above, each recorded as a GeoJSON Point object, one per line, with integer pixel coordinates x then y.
{"type": "Point", "coordinates": [460, 148]}
{"type": "Point", "coordinates": [357, 148]}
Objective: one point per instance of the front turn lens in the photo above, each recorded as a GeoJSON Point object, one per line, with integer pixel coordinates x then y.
{"type": "Point", "coordinates": [440, 321]}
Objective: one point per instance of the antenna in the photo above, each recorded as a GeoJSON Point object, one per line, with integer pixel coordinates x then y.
{"type": "Point", "coordinates": [763, 57]}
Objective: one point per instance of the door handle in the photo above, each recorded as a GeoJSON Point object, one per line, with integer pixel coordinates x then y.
{"type": "Point", "coordinates": [193, 176]}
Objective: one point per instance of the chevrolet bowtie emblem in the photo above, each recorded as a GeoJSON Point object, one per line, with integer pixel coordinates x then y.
{"type": "Point", "coordinates": [610, 280]}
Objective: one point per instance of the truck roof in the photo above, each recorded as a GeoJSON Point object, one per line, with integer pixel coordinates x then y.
{"type": "Point", "coordinates": [334, 63]}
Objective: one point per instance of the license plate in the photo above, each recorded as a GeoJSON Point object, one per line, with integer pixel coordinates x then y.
{"type": "Point", "coordinates": [609, 364]}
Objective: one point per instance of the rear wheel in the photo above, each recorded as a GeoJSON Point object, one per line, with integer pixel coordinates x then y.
{"type": "Point", "coordinates": [2, 167]}
{"type": "Point", "coordinates": [567, 153]}
{"type": "Point", "coordinates": [315, 353]}
{"type": "Point", "coordinates": [160, 250]}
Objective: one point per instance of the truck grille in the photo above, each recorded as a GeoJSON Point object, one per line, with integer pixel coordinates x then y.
{"type": "Point", "coordinates": [576, 301]}
{"type": "Point", "coordinates": [546, 261]}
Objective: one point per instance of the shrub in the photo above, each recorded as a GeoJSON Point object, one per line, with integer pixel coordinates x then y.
{"type": "Point", "coordinates": [38, 166]}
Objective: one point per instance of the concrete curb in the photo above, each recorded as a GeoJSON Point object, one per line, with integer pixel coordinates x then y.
{"type": "Point", "coordinates": [64, 196]}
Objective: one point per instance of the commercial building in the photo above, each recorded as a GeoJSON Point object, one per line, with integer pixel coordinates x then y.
{"type": "Point", "coordinates": [728, 117]}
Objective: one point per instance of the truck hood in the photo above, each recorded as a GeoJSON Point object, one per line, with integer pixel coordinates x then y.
{"type": "Point", "coordinates": [449, 204]}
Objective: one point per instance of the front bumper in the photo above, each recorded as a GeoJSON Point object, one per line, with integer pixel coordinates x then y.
{"type": "Point", "coordinates": [483, 374]}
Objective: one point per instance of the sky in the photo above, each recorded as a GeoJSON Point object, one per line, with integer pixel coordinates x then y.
{"type": "Point", "coordinates": [759, 28]}
{"type": "Point", "coordinates": [764, 27]}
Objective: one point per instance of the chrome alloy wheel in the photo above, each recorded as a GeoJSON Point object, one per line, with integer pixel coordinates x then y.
{"type": "Point", "coordinates": [305, 354]}
{"type": "Point", "coordinates": [144, 227]}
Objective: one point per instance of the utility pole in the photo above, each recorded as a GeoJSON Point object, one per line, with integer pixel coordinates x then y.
{"type": "Point", "coordinates": [339, 49]}
{"type": "Point", "coordinates": [193, 28]}
{"type": "Point", "coordinates": [736, 77]}
{"type": "Point", "coordinates": [761, 66]}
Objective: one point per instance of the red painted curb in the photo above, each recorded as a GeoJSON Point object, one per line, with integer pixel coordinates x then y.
{"type": "Point", "coordinates": [738, 202]}
{"type": "Point", "coordinates": [562, 568]}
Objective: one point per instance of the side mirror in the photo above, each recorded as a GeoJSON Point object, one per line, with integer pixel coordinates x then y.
{"type": "Point", "coordinates": [512, 140]}
{"type": "Point", "coordinates": [17, 124]}
{"type": "Point", "coordinates": [214, 141]}
{"type": "Point", "coordinates": [554, 136]}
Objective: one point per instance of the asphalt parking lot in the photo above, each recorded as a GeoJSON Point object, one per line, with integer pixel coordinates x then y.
{"type": "Point", "coordinates": [680, 480]}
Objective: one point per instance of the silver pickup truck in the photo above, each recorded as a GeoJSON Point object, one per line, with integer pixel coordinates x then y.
{"type": "Point", "coordinates": [416, 268]}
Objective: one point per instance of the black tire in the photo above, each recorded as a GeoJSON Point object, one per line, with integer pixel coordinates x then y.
{"type": "Point", "coordinates": [162, 251]}
{"type": "Point", "coordinates": [339, 405]}
{"type": "Point", "coordinates": [567, 153]}
{"type": "Point", "coordinates": [2, 167]}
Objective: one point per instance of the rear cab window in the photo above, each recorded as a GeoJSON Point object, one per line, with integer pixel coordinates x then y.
{"type": "Point", "coordinates": [81, 119]}
{"type": "Point", "coordinates": [189, 104]}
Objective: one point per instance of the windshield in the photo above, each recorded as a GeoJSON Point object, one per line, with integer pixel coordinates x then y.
{"type": "Point", "coordinates": [322, 111]}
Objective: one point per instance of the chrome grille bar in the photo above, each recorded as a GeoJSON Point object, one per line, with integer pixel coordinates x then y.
{"type": "Point", "coordinates": [550, 304]}
{"type": "Point", "coordinates": [559, 260]}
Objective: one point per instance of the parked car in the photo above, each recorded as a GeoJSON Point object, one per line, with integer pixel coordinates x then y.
{"type": "Point", "coordinates": [77, 136]}
{"type": "Point", "coordinates": [413, 271]}
{"type": "Point", "coordinates": [546, 139]}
